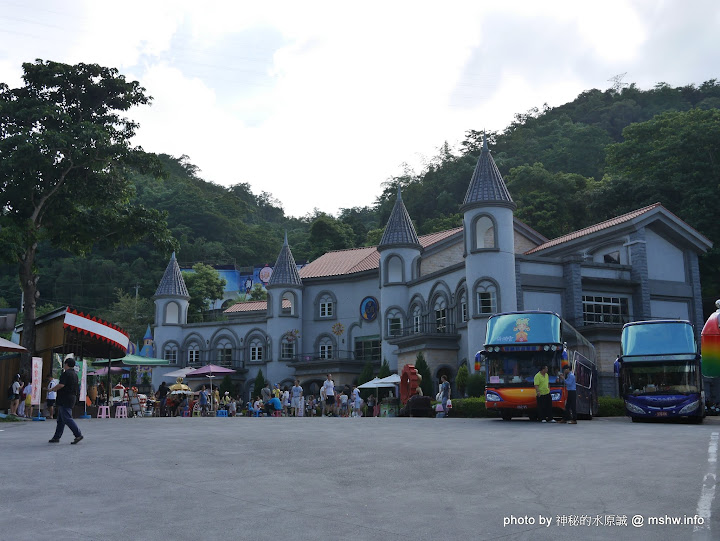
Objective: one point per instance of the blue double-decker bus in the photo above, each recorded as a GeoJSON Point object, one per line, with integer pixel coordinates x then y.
{"type": "Point", "coordinates": [660, 371]}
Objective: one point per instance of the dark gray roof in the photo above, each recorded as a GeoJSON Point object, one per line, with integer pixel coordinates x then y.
{"type": "Point", "coordinates": [285, 272]}
{"type": "Point", "coordinates": [486, 185]}
{"type": "Point", "coordinates": [399, 230]}
{"type": "Point", "coordinates": [172, 282]}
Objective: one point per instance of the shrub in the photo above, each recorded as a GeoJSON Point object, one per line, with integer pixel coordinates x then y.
{"type": "Point", "coordinates": [462, 378]}
{"type": "Point", "coordinates": [468, 407]}
{"type": "Point", "coordinates": [476, 385]}
{"type": "Point", "coordinates": [609, 406]}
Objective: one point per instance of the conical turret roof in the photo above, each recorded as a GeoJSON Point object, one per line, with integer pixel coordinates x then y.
{"type": "Point", "coordinates": [285, 272]}
{"type": "Point", "coordinates": [487, 186]}
{"type": "Point", "coordinates": [399, 230]}
{"type": "Point", "coordinates": [172, 282]}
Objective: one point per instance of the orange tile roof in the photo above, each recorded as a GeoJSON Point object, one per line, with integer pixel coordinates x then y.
{"type": "Point", "coordinates": [595, 228]}
{"type": "Point", "coordinates": [253, 306]}
{"type": "Point", "coordinates": [341, 262]}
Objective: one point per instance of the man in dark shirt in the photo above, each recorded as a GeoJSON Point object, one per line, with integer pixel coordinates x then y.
{"type": "Point", "coordinates": [66, 394]}
{"type": "Point", "coordinates": [162, 396]}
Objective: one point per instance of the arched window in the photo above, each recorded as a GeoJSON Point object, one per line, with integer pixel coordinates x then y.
{"type": "Point", "coordinates": [326, 348]}
{"type": "Point", "coordinates": [463, 307]}
{"type": "Point", "coordinates": [486, 298]}
{"type": "Point", "coordinates": [440, 308]}
{"type": "Point", "coordinates": [257, 350]}
{"type": "Point", "coordinates": [287, 347]}
{"type": "Point", "coordinates": [288, 304]}
{"type": "Point", "coordinates": [484, 233]}
{"type": "Point", "coordinates": [224, 352]}
{"type": "Point", "coordinates": [417, 319]}
{"type": "Point", "coordinates": [326, 306]}
{"type": "Point", "coordinates": [394, 323]}
{"type": "Point", "coordinates": [172, 313]}
{"type": "Point", "coordinates": [170, 353]}
{"type": "Point", "coordinates": [193, 353]}
{"type": "Point", "coordinates": [394, 270]}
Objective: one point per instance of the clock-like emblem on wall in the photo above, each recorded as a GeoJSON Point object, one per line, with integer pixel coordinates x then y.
{"type": "Point", "coordinates": [369, 308]}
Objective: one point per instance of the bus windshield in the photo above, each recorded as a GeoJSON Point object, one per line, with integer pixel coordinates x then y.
{"type": "Point", "coordinates": [520, 367]}
{"type": "Point", "coordinates": [661, 378]}
{"type": "Point", "coordinates": [662, 338]}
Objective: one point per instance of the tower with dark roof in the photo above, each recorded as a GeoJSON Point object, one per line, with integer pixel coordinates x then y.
{"type": "Point", "coordinates": [489, 248]}
{"type": "Point", "coordinates": [400, 252]}
{"type": "Point", "coordinates": [284, 310]}
{"type": "Point", "coordinates": [172, 298]}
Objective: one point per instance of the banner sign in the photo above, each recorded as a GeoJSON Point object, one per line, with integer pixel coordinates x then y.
{"type": "Point", "coordinates": [36, 381]}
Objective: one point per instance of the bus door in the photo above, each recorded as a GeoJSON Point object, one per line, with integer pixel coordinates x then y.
{"type": "Point", "coordinates": [585, 378]}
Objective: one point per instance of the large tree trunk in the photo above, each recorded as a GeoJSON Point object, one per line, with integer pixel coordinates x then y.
{"type": "Point", "coordinates": [28, 280]}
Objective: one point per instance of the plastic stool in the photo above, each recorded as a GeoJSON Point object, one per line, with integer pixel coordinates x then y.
{"type": "Point", "coordinates": [197, 413]}
{"type": "Point", "coordinates": [221, 413]}
{"type": "Point", "coordinates": [277, 413]}
{"type": "Point", "coordinates": [186, 412]}
{"type": "Point", "coordinates": [121, 412]}
{"type": "Point", "coordinates": [103, 412]}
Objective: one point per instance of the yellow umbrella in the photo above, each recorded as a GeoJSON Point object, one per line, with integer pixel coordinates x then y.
{"type": "Point", "coordinates": [179, 386]}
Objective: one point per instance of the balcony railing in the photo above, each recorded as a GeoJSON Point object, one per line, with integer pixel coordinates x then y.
{"type": "Point", "coordinates": [423, 329]}
{"type": "Point", "coordinates": [235, 364]}
{"type": "Point", "coordinates": [337, 354]}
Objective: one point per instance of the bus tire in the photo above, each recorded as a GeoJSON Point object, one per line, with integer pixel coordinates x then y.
{"type": "Point", "coordinates": [506, 416]}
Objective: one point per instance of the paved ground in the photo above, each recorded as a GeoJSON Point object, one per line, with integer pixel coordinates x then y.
{"type": "Point", "coordinates": [355, 479]}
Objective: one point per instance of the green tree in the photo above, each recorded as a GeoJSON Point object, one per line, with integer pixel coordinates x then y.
{"type": "Point", "coordinates": [66, 154]}
{"type": "Point", "coordinates": [204, 286]}
{"type": "Point", "coordinates": [461, 379]}
{"type": "Point", "coordinates": [476, 385]}
{"type": "Point", "coordinates": [227, 385]}
{"type": "Point", "coordinates": [366, 375]}
{"type": "Point", "coordinates": [384, 370]}
{"type": "Point", "coordinates": [422, 367]}
{"type": "Point", "coordinates": [259, 384]}
{"type": "Point", "coordinates": [258, 293]}
{"type": "Point", "coordinates": [131, 313]}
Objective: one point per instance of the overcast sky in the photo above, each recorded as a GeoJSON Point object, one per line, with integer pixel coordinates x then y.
{"type": "Point", "coordinates": [319, 103]}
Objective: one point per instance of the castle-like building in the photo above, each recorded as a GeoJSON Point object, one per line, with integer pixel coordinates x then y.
{"type": "Point", "coordinates": [434, 293]}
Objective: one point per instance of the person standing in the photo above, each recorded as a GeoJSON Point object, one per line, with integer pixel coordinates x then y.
{"type": "Point", "coordinates": [51, 396]}
{"type": "Point", "coordinates": [542, 392]}
{"type": "Point", "coordinates": [15, 399]}
{"type": "Point", "coordinates": [161, 395]}
{"type": "Point", "coordinates": [28, 400]}
{"type": "Point", "coordinates": [329, 387]}
{"type": "Point", "coordinates": [570, 416]}
{"type": "Point", "coordinates": [203, 401]}
{"type": "Point", "coordinates": [297, 392]}
{"type": "Point", "coordinates": [444, 393]}
{"type": "Point", "coordinates": [265, 393]}
{"type": "Point", "coordinates": [67, 391]}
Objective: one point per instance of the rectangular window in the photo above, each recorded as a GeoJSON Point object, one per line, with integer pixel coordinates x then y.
{"type": "Point", "coordinates": [326, 309]}
{"type": "Point", "coordinates": [256, 353]}
{"type": "Point", "coordinates": [605, 310]}
{"type": "Point", "coordinates": [287, 350]}
{"type": "Point", "coordinates": [326, 351]}
{"type": "Point", "coordinates": [486, 302]}
{"type": "Point", "coordinates": [193, 356]}
{"type": "Point", "coordinates": [171, 355]}
{"type": "Point", "coordinates": [225, 355]}
{"type": "Point", "coordinates": [441, 320]}
{"type": "Point", "coordinates": [367, 348]}
{"type": "Point", "coordinates": [463, 311]}
{"type": "Point", "coordinates": [394, 326]}
{"type": "Point", "coordinates": [416, 323]}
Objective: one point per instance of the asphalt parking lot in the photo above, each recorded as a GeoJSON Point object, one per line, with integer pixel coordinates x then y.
{"type": "Point", "coordinates": [391, 478]}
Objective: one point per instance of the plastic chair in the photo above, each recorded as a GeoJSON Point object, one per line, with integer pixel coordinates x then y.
{"type": "Point", "coordinates": [186, 412]}
{"type": "Point", "coordinates": [103, 412]}
{"type": "Point", "coordinates": [277, 413]}
{"type": "Point", "coordinates": [221, 413]}
{"type": "Point", "coordinates": [121, 412]}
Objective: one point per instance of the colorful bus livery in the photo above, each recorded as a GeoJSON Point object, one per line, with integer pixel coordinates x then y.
{"type": "Point", "coordinates": [660, 371]}
{"type": "Point", "coordinates": [517, 345]}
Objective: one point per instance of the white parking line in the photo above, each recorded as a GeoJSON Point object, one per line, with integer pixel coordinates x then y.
{"type": "Point", "coordinates": [707, 494]}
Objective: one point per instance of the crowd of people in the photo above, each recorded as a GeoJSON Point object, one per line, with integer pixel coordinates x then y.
{"type": "Point", "coordinates": [288, 402]}
{"type": "Point", "coordinates": [20, 396]}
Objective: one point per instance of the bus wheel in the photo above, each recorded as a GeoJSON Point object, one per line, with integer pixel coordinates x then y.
{"type": "Point", "coordinates": [507, 416]}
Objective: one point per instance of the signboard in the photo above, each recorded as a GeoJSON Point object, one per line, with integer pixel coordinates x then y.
{"type": "Point", "coordinates": [36, 381]}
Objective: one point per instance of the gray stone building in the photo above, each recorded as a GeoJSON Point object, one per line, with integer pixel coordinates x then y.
{"type": "Point", "coordinates": [434, 293]}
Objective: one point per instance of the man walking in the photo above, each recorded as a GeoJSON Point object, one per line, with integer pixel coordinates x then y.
{"type": "Point", "coordinates": [542, 391]}
{"type": "Point", "coordinates": [570, 416]}
{"type": "Point", "coordinates": [329, 386]}
{"type": "Point", "coordinates": [67, 391]}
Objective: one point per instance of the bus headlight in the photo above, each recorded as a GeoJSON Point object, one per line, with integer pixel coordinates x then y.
{"type": "Point", "coordinates": [633, 408]}
{"type": "Point", "coordinates": [555, 396]}
{"type": "Point", "coordinates": [492, 397]}
{"type": "Point", "coordinates": [692, 406]}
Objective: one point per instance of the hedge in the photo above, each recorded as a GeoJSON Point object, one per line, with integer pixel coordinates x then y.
{"type": "Point", "coordinates": [469, 407]}
{"type": "Point", "coordinates": [609, 406]}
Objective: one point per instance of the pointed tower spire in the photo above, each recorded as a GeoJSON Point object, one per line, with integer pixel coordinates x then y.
{"type": "Point", "coordinates": [285, 272]}
{"type": "Point", "coordinates": [172, 282]}
{"type": "Point", "coordinates": [487, 187]}
{"type": "Point", "coordinates": [399, 230]}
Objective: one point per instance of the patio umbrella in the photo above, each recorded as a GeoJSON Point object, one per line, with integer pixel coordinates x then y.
{"type": "Point", "coordinates": [7, 345]}
{"type": "Point", "coordinates": [210, 371]}
{"type": "Point", "coordinates": [392, 378]}
{"type": "Point", "coordinates": [104, 371]}
{"type": "Point", "coordinates": [181, 373]}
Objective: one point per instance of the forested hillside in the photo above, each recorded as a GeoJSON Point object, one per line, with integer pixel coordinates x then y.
{"type": "Point", "coordinates": [603, 154]}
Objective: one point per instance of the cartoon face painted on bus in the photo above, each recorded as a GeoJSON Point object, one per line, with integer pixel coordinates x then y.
{"type": "Point", "coordinates": [522, 327]}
